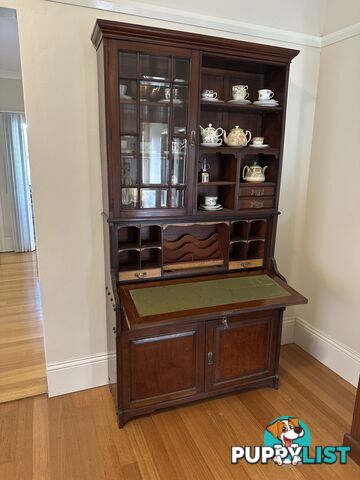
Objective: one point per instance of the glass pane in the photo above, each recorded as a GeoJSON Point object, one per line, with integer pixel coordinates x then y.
{"type": "Point", "coordinates": [127, 90]}
{"type": "Point", "coordinates": [179, 161]}
{"type": "Point", "coordinates": [180, 109]}
{"type": "Point", "coordinates": [129, 198]}
{"type": "Point", "coordinates": [181, 70]}
{"type": "Point", "coordinates": [127, 64]}
{"type": "Point", "coordinates": [153, 198]}
{"type": "Point", "coordinates": [154, 144]}
{"type": "Point", "coordinates": [154, 92]}
{"type": "Point", "coordinates": [128, 118]}
{"type": "Point", "coordinates": [176, 198]}
{"type": "Point", "coordinates": [128, 161]}
{"type": "Point", "coordinates": [155, 66]}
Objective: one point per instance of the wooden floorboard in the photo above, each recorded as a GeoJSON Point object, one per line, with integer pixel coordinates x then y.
{"type": "Point", "coordinates": [22, 359]}
{"type": "Point", "coordinates": [75, 437]}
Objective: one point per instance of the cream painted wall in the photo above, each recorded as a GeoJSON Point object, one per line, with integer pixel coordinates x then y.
{"type": "Point", "coordinates": [61, 100]}
{"type": "Point", "coordinates": [305, 16]}
{"type": "Point", "coordinates": [340, 15]}
{"type": "Point", "coordinates": [327, 255]}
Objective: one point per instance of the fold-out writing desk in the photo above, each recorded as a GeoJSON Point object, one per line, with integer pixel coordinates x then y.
{"type": "Point", "coordinates": [188, 339]}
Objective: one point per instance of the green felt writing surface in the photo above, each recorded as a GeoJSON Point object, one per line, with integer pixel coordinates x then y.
{"type": "Point", "coordinates": [203, 294]}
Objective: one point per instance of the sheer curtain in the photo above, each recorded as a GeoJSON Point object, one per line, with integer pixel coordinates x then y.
{"type": "Point", "coordinates": [14, 145]}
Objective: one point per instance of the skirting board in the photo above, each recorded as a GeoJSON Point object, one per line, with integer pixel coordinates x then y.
{"type": "Point", "coordinates": [80, 374]}
{"type": "Point", "coordinates": [335, 355]}
{"type": "Point", "coordinates": [93, 371]}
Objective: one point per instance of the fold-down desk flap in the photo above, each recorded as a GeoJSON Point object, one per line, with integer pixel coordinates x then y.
{"type": "Point", "coordinates": [202, 297]}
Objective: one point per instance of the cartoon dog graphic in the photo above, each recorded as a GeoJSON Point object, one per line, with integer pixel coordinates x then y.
{"type": "Point", "coordinates": [286, 430]}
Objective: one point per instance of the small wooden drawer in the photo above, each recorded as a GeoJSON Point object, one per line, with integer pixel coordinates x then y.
{"type": "Point", "coordinates": [241, 264]}
{"type": "Point", "coordinates": [257, 190]}
{"type": "Point", "coordinates": [256, 203]}
{"type": "Point", "coordinates": [139, 274]}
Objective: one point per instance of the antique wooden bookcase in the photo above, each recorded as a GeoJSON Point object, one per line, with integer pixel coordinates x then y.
{"type": "Point", "coordinates": [195, 301]}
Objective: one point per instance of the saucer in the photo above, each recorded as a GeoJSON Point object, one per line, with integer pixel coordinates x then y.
{"type": "Point", "coordinates": [211, 99]}
{"type": "Point", "coordinates": [212, 145]}
{"type": "Point", "coordinates": [176, 101]}
{"type": "Point", "coordinates": [125, 97]}
{"type": "Point", "coordinates": [262, 145]}
{"type": "Point", "coordinates": [267, 103]}
{"type": "Point", "coordinates": [211, 208]}
{"type": "Point", "coordinates": [240, 102]}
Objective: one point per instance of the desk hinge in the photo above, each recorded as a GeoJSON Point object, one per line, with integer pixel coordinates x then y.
{"type": "Point", "coordinates": [210, 358]}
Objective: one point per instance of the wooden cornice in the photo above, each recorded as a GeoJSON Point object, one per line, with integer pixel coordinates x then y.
{"type": "Point", "coordinates": [142, 33]}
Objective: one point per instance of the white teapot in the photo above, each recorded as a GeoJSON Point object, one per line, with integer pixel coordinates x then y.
{"type": "Point", "coordinates": [211, 134]}
{"type": "Point", "coordinates": [254, 174]}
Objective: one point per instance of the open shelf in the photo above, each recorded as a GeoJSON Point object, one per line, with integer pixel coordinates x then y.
{"type": "Point", "coordinates": [219, 183]}
{"type": "Point", "coordinates": [249, 109]}
{"type": "Point", "coordinates": [128, 238]}
{"type": "Point", "coordinates": [129, 260]}
{"type": "Point", "coordinates": [243, 150]}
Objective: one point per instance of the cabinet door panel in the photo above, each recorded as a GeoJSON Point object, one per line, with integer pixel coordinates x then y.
{"type": "Point", "coordinates": [241, 348]}
{"type": "Point", "coordinates": [165, 366]}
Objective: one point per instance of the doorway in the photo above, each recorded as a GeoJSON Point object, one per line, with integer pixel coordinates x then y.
{"type": "Point", "coordinates": [22, 357]}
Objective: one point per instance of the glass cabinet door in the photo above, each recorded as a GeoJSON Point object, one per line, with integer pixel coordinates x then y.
{"type": "Point", "coordinates": [153, 116]}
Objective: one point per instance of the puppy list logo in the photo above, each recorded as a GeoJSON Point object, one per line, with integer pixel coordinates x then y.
{"type": "Point", "coordinates": [287, 442]}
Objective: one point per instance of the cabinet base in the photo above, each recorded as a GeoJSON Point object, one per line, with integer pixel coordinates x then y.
{"type": "Point", "coordinates": [126, 415]}
{"type": "Point", "coordinates": [350, 441]}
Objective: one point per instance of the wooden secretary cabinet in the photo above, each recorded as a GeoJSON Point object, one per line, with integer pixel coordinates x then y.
{"type": "Point", "coordinates": [195, 301]}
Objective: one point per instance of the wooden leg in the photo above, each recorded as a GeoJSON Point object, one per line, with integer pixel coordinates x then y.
{"type": "Point", "coordinates": [276, 381]}
{"type": "Point", "coordinates": [121, 419]}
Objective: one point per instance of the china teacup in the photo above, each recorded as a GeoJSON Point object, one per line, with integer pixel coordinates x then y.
{"type": "Point", "coordinates": [123, 89]}
{"type": "Point", "coordinates": [236, 89]}
{"type": "Point", "coordinates": [210, 201]}
{"type": "Point", "coordinates": [265, 94]}
{"type": "Point", "coordinates": [258, 140]}
{"type": "Point", "coordinates": [208, 94]}
{"type": "Point", "coordinates": [175, 93]}
{"type": "Point", "coordinates": [240, 95]}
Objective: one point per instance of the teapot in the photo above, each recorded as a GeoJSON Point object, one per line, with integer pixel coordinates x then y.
{"type": "Point", "coordinates": [211, 134]}
{"type": "Point", "coordinates": [254, 174]}
{"type": "Point", "coordinates": [237, 137]}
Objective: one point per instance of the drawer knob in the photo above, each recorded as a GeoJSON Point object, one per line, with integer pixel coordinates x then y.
{"type": "Point", "coordinates": [257, 192]}
{"type": "Point", "coordinates": [114, 329]}
{"type": "Point", "coordinates": [245, 264]}
{"type": "Point", "coordinates": [256, 204]}
{"type": "Point", "coordinates": [140, 274]}
{"type": "Point", "coordinates": [224, 322]}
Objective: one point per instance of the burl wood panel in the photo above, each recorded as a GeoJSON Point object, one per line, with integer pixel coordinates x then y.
{"type": "Point", "coordinates": [165, 366]}
{"type": "Point", "coordinates": [241, 348]}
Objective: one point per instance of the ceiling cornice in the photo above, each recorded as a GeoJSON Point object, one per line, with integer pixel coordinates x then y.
{"type": "Point", "coordinates": [182, 17]}
{"type": "Point", "coordinates": [207, 22]}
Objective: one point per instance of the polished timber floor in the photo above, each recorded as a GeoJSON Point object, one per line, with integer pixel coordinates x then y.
{"type": "Point", "coordinates": [75, 437]}
{"type": "Point", "coordinates": [22, 359]}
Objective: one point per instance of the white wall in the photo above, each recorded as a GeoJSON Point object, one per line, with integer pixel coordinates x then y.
{"type": "Point", "coordinates": [11, 98]}
{"type": "Point", "coordinates": [61, 100]}
{"type": "Point", "coordinates": [327, 256]}
{"type": "Point", "coordinates": [340, 14]}
{"type": "Point", "coordinates": [305, 16]}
